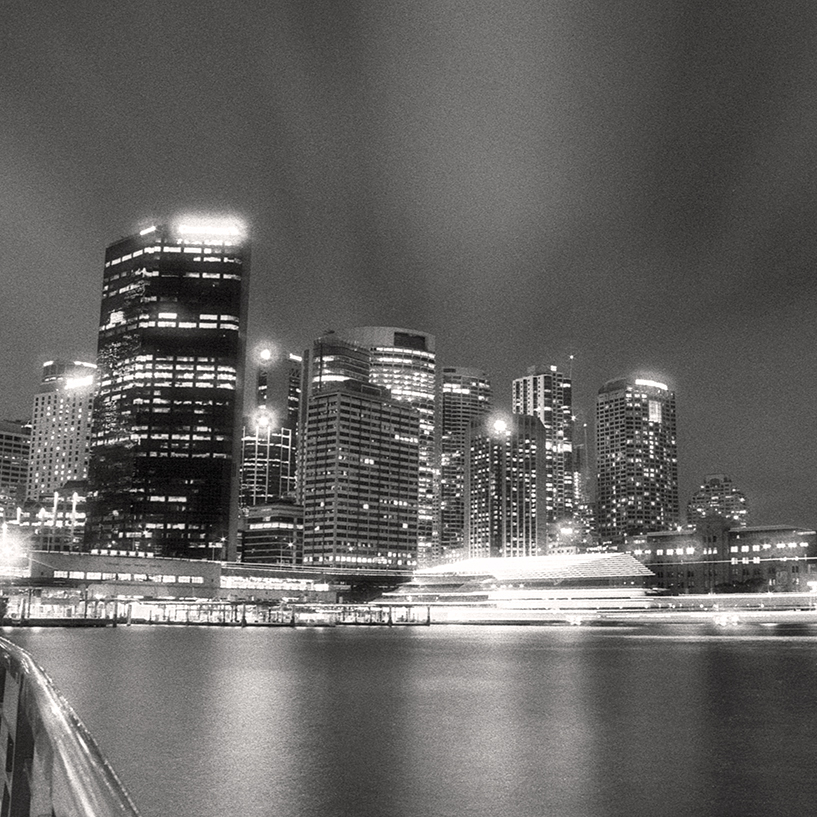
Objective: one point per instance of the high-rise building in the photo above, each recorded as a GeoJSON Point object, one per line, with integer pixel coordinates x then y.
{"type": "Point", "coordinates": [167, 420]}
{"type": "Point", "coordinates": [636, 459]}
{"type": "Point", "coordinates": [404, 362]}
{"type": "Point", "coordinates": [718, 497]}
{"type": "Point", "coordinates": [15, 447]}
{"type": "Point", "coordinates": [506, 487]}
{"type": "Point", "coordinates": [60, 427]}
{"type": "Point", "coordinates": [268, 439]}
{"type": "Point", "coordinates": [267, 460]}
{"type": "Point", "coordinates": [547, 394]}
{"type": "Point", "coordinates": [358, 478]}
{"type": "Point", "coordinates": [466, 395]}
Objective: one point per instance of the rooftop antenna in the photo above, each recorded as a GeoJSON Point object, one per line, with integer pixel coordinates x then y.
{"type": "Point", "coordinates": [570, 369]}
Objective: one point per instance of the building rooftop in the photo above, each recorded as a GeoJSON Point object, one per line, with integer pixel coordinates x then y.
{"type": "Point", "coordinates": [551, 568]}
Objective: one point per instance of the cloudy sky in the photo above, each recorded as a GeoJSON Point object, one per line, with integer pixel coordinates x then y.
{"type": "Point", "coordinates": [632, 183]}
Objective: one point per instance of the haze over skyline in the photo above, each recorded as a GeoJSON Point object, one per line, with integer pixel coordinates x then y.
{"type": "Point", "coordinates": [630, 184]}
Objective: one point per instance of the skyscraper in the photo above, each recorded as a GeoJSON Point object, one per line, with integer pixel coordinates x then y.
{"type": "Point", "coordinates": [506, 487]}
{"type": "Point", "coordinates": [358, 478]}
{"type": "Point", "coordinates": [15, 448]}
{"type": "Point", "coordinates": [718, 497]}
{"type": "Point", "coordinates": [547, 394]}
{"type": "Point", "coordinates": [404, 362]}
{"type": "Point", "coordinates": [60, 427]}
{"type": "Point", "coordinates": [636, 459]}
{"type": "Point", "coordinates": [466, 395]}
{"type": "Point", "coordinates": [268, 439]}
{"type": "Point", "coordinates": [167, 419]}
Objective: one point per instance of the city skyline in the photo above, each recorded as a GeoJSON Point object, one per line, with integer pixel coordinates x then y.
{"type": "Point", "coordinates": [646, 209]}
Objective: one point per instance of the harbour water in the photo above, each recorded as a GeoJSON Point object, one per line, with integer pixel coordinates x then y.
{"type": "Point", "coordinates": [449, 721]}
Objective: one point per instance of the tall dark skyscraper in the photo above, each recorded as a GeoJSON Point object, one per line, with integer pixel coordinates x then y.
{"type": "Point", "coordinates": [167, 419]}
{"type": "Point", "coordinates": [466, 395]}
{"type": "Point", "coordinates": [636, 459]}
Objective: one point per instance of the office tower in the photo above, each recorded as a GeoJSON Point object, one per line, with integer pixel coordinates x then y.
{"type": "Point", "coordinates": [15, 447]}
{"type": "Point", "coordinates": [167, 420]}
{"type": "Point", "coordinates": [466, 395]}
{"type": "Point", "coordinates": [506, 487]}
{"type": "Point", "coordinates": [636, 459]}
{"type": "Point", "coordinates": [546, 393]}
{"type": "Point", "coordinates": [359, 478]}
{"type": "Point", "coordinates": [404, 362]}
{"type": "Point", "coordinates": [718, 497]}
{"type": "Point", "coordinates": [60, 427]}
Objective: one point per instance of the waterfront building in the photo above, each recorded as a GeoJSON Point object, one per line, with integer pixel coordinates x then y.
{"type": "Point", "coordinates": [272, 533]}
{"type": "Point", "coordinates": [506, 488]}
{"type": "Point", "coordinates": [528, 588]}
{"type": "Point", "coordinates": [359, 477]}
{"type": "Point", "coordinates": [166, 432]}
{"type": "Point", "coordinates": [547, 394]}
{"type": "Point", "coordinates": [719, 558]}
{"type": "Point", "coordinates": [718, 496]}
{"type": "Point", "coordinates": [636, 459]}
{"type": "Point", "coordinates": [15, 449]}
{"type": "Point", "coordinates": [404, 362]}
{"type": "Point", "coordinates": [60, 427]}
{"type": "Point", "coordinates": [465, 396]}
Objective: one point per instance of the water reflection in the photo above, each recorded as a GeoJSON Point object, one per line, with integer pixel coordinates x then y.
{"type": "Point", "coordinates": [446, 720]}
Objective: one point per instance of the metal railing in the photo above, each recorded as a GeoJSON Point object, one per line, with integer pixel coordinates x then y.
{"type": "Point", "coordinates": [49, 763]}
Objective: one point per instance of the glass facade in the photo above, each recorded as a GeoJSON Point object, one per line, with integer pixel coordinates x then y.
{"type": "Point", "coordinates": [166, 428]}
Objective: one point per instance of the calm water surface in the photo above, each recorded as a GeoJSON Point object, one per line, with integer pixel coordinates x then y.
{"type": "Point", "coordinates": [446, 721]}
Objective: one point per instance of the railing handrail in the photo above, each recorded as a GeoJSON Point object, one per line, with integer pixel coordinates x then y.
{"type": "Point", "coordinates": [69, 772]}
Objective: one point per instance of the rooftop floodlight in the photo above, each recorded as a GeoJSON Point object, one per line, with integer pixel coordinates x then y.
{"type": "Point", "coordinates": [213, 228]}
{"type": "Point", "coordinates": [265, 354]}
{"type": "Point", "coordinates": [500, 426]}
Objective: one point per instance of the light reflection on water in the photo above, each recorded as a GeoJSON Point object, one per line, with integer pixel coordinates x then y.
{"type": "Point", "coordinates": [446, 721]}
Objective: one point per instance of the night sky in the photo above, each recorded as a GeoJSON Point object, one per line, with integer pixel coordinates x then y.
{"type": "Point", "coordinates": [632, 183]}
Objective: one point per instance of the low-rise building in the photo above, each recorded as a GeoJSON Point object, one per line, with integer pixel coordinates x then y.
{"type": "Point", "coordinates": [719, 558]}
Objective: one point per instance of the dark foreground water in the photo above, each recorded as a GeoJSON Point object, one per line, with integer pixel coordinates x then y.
{"type": "Point", "coordinates": [446, 721]}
